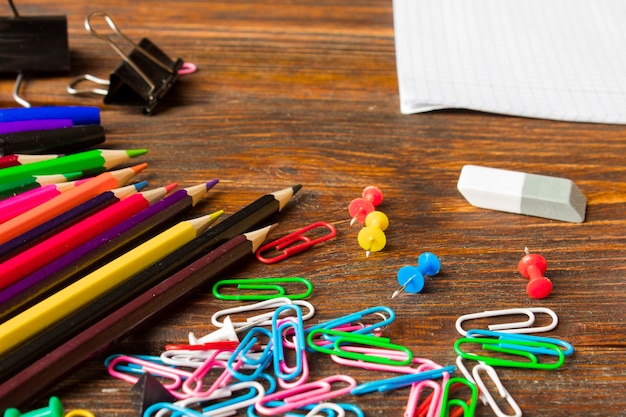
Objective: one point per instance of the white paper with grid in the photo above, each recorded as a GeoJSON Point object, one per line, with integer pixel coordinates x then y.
{"type": "Point", "coordinates": [552, 59]}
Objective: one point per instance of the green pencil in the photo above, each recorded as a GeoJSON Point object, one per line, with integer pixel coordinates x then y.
{"type": "Point", "coordinates": [82, 161]}
{"type": "Point", "coordinates": [9, 189]}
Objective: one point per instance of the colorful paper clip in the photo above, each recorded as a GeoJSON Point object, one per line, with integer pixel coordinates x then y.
{"type": "Point", "coordinates": [401, 381]}
{"type": "Point", "coordinates": [267, 288]}
{"type": "Point", "coordinates": [512, 346]}
{"type": "Point", "coordinates": [241, 356]}
{"type": "Point", "coordinates": [340, 338]}
{"type": "Point", "coordinates": [294, 243]}
{"type": "Point", "coordinates": [386, 314]}
{"type": "Point", "coordinates": [285, 372]}
{"type": "Point", "coordinates": [468, 407]}
{"type": "Point", "coordinates": [263, 319]}
{"type": "Point", "coordinates": [568, 349]}
{"type": "Point", "coordinates": [514, 327]}
{"type": "Point", "coordinates": [483, 393]}
{"type": "Point", "coordinates": [309, 393]}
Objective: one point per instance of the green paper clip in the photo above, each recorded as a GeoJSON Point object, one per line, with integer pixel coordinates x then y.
{"type": "Point", "coordinates": [338, 338]}
{"type": "Point", "coordinates": [271, 286]}
{"type": "Point", "coordinates": [513, 347]}
{"type": "Point", "coordinates": [468, 407]}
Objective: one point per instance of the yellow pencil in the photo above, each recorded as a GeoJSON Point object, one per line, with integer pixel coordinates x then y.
{"type": "Point", "coordinates": [49, 311]}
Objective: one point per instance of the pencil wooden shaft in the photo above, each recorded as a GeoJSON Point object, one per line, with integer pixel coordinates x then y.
{"type": "Point", "coordinates": [52, 208]}
{"type": "Point", "coordinates": [59, 305]}
{"type": "Point", "coordinates": [33, 380]}
{"type": "Point", "coordinates": [67, 219]}
{"type": "Point", "coordinates": [81, 260]}
{"type": "Point", "coordinates": [60, 243]}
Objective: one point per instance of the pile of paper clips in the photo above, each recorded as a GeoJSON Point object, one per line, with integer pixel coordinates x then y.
{"type": "Point", "coordinates": [259, 366]}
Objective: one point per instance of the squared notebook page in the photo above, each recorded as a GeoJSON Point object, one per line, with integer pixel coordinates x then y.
{"type": "Point", "coordinates": [552, 59]}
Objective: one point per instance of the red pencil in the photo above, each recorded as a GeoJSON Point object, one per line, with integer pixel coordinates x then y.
{"type": "Point", "coordinates": [18, 159]}
{"type": "Point", "coordinates": [52, 208]}
{"type": "Point", "coordinates": [12, 207]}
{"type": "Point", "coordinates": [47, 251]}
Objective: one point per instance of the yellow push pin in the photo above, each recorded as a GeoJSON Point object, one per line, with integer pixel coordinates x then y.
{"type": "Point", "coordinates": [371, 237]}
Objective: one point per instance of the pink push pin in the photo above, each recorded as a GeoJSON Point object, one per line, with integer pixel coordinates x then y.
{"type": "Point", "coordinates": [359, 208]}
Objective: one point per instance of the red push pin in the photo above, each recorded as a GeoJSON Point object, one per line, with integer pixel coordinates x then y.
{"type": "Point", "coordinates": [533, 266]}
{"type": "Point", "coordinates": [361, 207]}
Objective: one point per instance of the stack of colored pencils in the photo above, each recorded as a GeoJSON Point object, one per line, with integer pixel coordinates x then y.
{"type": "Point", "coordinates": [86, 256]}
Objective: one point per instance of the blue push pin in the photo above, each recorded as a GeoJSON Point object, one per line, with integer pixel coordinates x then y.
{"type": "Point", "coordinates": [411, 278]}
{"type": "Point", "coordinates": [54, 409]}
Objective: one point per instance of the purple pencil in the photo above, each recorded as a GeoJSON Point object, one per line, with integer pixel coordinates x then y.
{"type": "Point", "coordinates": [28, 125]}
{"type": "Point", "coordinates": [31, 288]}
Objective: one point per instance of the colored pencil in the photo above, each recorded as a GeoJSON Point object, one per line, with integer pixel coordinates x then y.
{"type": "Point", "coordinates": [13, 188]}
{"type": "Point", "coordinates": [64, 140]}
{"type": "Point", "coordinates": [67, 219]}
{"type": "Point", "coordinates": [26, 125]}
{"type": "Point", "coordinates": [20, 203]}
{"type": "Point", "coordinates": [241, 221]}
{"type": "Point", "coordinates": [52, 208]}
{"type": "Point", "coordinates": [33, 380]}
{"type": "Point", "coordinates": [19, 159]}
{"type": "Point", "coordinates": [82, 161]}
{"type": "Point", "coordinates": [59, 244]}
{"type": "Point", "coordinates": [79, 294]}
{"type": "Point", "coordinates": [99, 249]}
{"type": "Point", "coordinates": [79, 115]}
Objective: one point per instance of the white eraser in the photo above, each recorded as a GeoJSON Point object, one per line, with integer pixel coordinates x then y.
{"type": "Point", "coordinates": [522, 193]}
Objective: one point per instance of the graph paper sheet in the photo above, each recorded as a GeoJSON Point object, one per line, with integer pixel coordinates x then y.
{"type": "Point", "coordinates": [551, 59]}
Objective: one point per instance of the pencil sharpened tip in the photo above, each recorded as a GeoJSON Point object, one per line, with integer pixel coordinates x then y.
{"type": "Point", "coordinates": [133, 153]}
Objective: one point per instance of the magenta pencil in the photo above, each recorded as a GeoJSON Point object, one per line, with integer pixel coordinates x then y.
{"type": "Point", "coordinates": [50, 249]}
{"type": "Point", "coordinates": [21, 203]}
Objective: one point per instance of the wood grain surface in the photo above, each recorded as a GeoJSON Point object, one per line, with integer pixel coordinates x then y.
{"type": "Point", "coordinates": [305, 92]}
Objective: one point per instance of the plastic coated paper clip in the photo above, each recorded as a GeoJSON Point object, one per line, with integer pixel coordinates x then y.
{"type": "Point", "coordinates": [293, 243]}
{"type": "Point", "coordinates": [267, 288]}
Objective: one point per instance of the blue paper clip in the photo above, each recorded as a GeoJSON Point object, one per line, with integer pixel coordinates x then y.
{"type": "Point", "coordinates": [176, 410]}
{"type": "Point", "coordinates": [567, 351]}
{"type": "Point", "coordinates": [269, 285]}
{"type": "Point", "coordinates": [284, 372]}
{"type": "Point", "coordinates": [246, 346]}
{"type": "Point", "coordinates": [356, 317]}
{"type": "Point", "coordinates": [294, 243]}
{"type": "Point", "coordinates": [516, 347]}
{"type": "Point", "coordinates": [400, 381]}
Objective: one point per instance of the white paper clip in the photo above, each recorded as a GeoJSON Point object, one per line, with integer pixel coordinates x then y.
{"type": "Point", "coordinates": [264, 319]}
{"type": "Point", "coordinates": [513, 327]}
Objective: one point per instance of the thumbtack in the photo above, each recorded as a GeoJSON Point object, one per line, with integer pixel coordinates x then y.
{"type": "Point", "coordinates": [533, 266]}
{"type": "Point", "coordinates": [371, 237]}
{"type": "Point", "coordinates": [54, 409]}
{"type": "Point", "coordinates": [411, 278]}
{"type": "Point", "coordinates": [359, 208]}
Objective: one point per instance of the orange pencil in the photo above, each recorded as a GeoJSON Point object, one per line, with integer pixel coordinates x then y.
{"type": "Point", "coordinates": [58, 205]}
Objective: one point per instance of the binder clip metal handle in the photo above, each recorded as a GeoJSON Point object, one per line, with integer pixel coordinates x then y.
{"type": "Point", "coordinates": [144, 76]}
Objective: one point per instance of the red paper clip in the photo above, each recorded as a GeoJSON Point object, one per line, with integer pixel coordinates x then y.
{"type": "Point", "coordinates": [217, 345]}
{"type": "Point", "coordinates": [294, 243]}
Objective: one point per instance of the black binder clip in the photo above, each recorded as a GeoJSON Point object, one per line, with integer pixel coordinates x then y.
{"type": "Point", "coordinates": [33, 45]}
{"type": "Point", "coordinates": [143, 78]}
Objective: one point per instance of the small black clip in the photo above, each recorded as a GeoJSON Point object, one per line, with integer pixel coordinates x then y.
{"type": "Point", "coordinates": [34, 44]}
{"type": "Point", "coordinates": [143, 77]}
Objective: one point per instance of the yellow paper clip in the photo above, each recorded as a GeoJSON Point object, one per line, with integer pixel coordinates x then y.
{"type": "Point", "coordinates": [294, 243]}
{"type": "Point", "coordinates": [267, 288]}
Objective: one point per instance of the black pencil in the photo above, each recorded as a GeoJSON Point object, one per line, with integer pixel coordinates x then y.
{"type": "Point", "coordinates": [35, 379]}
{"type": "Point", "coordinates": [234, 225]}
{"type": "Point", "coordinates": [65, 140]}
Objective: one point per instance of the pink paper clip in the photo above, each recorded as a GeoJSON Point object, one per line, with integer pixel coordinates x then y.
{"type": "Point", "coordinates": [431, 406]}
{"type": "Point", "coordinates": [177, 376]}
{"type": "Point", "coordinates": [305, 394]}
{"type": "Point", "coordinates": [294, 243]}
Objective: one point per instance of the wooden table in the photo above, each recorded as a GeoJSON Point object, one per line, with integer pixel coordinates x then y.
{"type": "Point", "coordinates": [305, 92]}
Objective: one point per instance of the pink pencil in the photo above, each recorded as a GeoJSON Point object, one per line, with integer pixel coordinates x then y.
{"type": "Point", "coordinates": [21, 203]}
{"type": "Point", "coordinates": [17, 267]}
